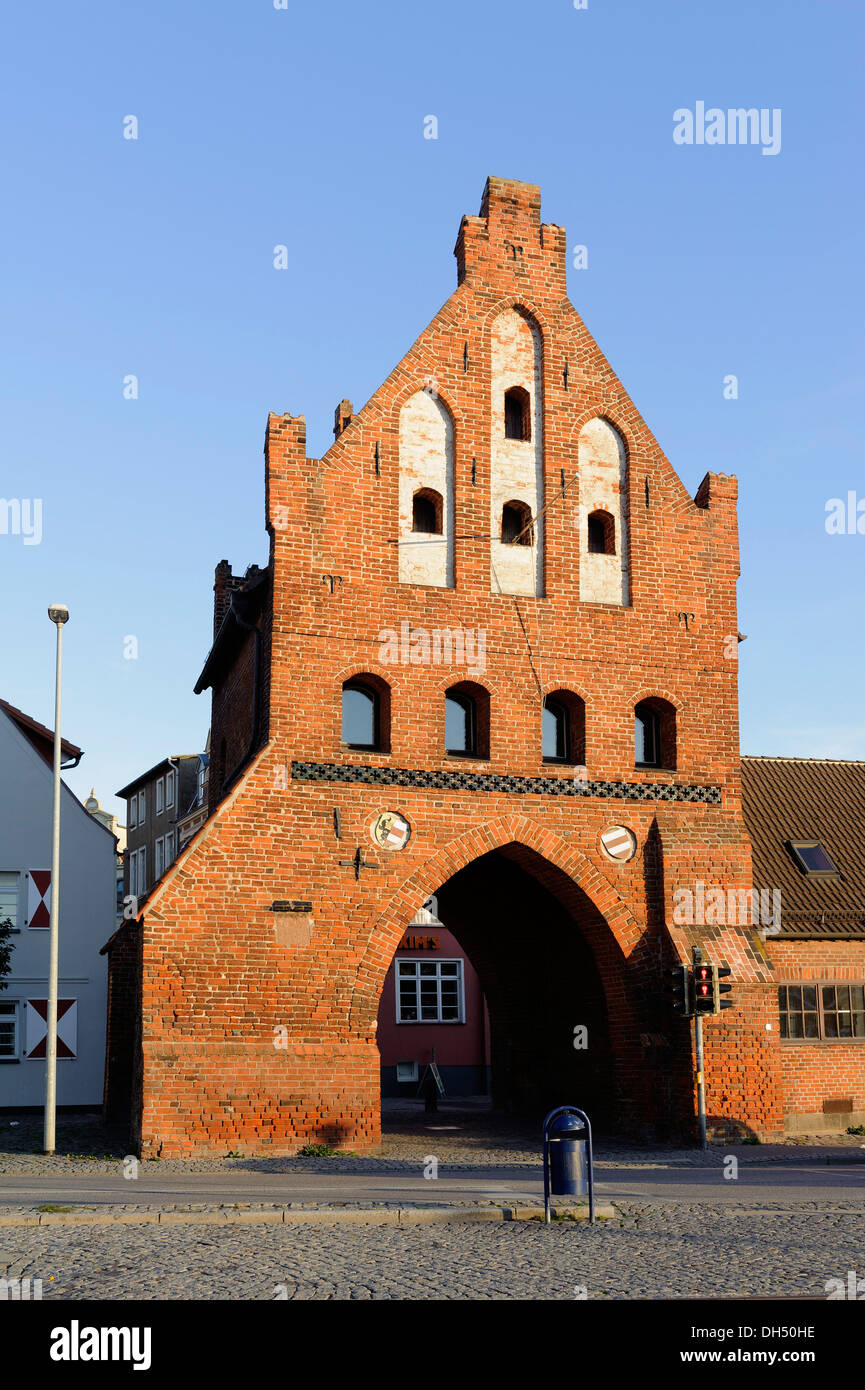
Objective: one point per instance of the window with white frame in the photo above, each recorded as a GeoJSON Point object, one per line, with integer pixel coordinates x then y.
{"type": "Point", "coordinates": [160, 795]}
{"type": "Point", "coordinates": [200, 800]}
{"type": "Point", "coordinates": [132, 813]}
{"type": "Point", "coordinates": [169, 849]}
{"type": "Point", "coordinates": [137, 870]}
{"type": "Point", "coordinates": [429, 991]}
{"type": "Point", "coordinates": [142, 807]}
{"type": "Point", "coordinates": [159, 858]}
{"type": "Point", "coordinates": [8, 1030]}
{"type": "Point", "coordinates": [9, 897]}
{"type": "Point", "coordinates": [169, 789]}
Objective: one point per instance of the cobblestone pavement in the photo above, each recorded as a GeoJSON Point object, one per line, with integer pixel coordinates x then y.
{"type": "Point", "coordinates": [458, 1136]}
{"type": "Point", "coordinates": [651, 1252]}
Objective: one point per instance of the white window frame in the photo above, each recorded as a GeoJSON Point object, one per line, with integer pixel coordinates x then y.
{"type": "Point", "coordinates": [416, 975]}
{"type": "Point", "coordinates": [15, 915]}
{"type": "Point", "coordinates": [137, 871]}
{"type": "Point", "coordinates": [132, 812]}
{"type": "Point", "coordinates": [160, 796]}
{"type": "Point", "coordinates": [142, 807]}
{"type": "Point", "coordinates": [8, 1006]}
{"type": "Point", "coordinates": [170, 780]}
{"type": "Point", "coordinates": [159, 857]}
{"type": "Point", "coordinates": [169, 848]}
{"type": "Point", "coordinates": [200, 786]}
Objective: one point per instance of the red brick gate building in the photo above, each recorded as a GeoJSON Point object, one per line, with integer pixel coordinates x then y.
{"type": "Point", "coordinates": [489, 582]}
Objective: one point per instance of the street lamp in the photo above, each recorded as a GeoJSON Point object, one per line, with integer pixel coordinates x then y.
{"type": "Point", "coordinates": [59, 614]}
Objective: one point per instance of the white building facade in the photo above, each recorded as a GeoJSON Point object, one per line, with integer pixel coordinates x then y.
{"type": "Point", "coordinates": [87, 920]}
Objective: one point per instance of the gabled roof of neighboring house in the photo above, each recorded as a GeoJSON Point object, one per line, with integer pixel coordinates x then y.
{"type": "Point", "coordinates": [819, 800]}
{"type": "Point", "coordinates": [164, 766]}
{"type": "Point", "coordinates": [42, 738]}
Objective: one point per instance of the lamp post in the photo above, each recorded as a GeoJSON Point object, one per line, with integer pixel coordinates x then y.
{"type": "Point", "coordinates": [59, 614]}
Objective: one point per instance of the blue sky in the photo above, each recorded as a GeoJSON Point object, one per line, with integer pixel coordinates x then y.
{"type": "Point", "coordinates": [304, 127]}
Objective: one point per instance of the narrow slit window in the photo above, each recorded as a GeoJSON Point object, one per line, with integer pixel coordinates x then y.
{"type": "Point", "coordinates": [602, 534]}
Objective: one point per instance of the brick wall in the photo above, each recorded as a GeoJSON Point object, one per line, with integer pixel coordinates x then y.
{"type": "Point", "coordinates": [812, 1073]}
{"type": "Point", "coordinates": [122, 1062]}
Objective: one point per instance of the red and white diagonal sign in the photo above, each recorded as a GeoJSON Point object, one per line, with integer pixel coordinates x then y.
{"type": "Point", "coordinates": [36, 1027]}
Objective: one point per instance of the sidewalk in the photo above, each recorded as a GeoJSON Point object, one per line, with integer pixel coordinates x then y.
{"type": "Point", "coordinates": [461, 1136]}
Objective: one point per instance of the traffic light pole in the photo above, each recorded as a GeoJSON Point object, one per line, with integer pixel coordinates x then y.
{"type": "Point", "coordinates": [698, 1041]}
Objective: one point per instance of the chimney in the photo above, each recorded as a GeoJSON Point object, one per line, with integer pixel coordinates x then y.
{"type": "Point", "coordinates": [342, 417]}
{"type": "Point", "coordinates": [223, 583]}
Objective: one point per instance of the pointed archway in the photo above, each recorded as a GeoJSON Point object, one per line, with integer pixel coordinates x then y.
{"type": "Point", "coordinates": [556, 948]}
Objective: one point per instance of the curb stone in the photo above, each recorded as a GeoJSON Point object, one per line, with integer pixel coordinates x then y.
{"type": "Point", "coordinates": [222, 1216]}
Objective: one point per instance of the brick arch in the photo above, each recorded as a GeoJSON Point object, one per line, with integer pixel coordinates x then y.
{"type": "Point", "coordinates": [559, 866]}
{"type": "Point", "coordinates": [654, 692]}
{"type": "Point", "coordinates": [363, 667]}
{"type": "Point", "coordinates": [454, 675]}
{"type": "Point", "coordinates": [566, 683]}
{"type": "Point", "coordinates": [523, 306]}
{"type": "Point", "coordinates": [413, 386]}
{"type": "Point", "coordinates": [606, 411]}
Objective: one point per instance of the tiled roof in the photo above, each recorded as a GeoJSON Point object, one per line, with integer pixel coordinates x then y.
{"type": "Point", "coordinates": [787, 799]}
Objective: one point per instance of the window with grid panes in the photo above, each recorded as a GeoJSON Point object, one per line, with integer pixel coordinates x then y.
{"type": "Point", "coordinates": [814, 1012]}
{"type": "Point", "coordinates": [429, 991]}
{"type": "Point", "coordinates": [9, 897]}
{"type": "Point", "coordinates": [8, 1030]}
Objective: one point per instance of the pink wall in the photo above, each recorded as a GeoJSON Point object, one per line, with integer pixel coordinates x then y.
{"type": "Point", "coordinates": [456, 1044]}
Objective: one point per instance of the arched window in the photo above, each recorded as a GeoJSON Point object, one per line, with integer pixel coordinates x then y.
{"type": "Point", "coordinates": [563, 728]}
{"type": "Point", "coordinates": [655, 734]}
{"type": "Point", "coordinates": [518, 415]}
{"type": "Point", "coordinates": [426, 511]}
{"type": "Point", "coordinates": [516, 524]}
{"type": "Point", "coordinates": [365, 711]}
{"type": "Point", "coordinates": [602, 534]}
{"type": "Point", "coordinates": [467, 721]}
{"type": "Point", "coordinates": [555, 732]}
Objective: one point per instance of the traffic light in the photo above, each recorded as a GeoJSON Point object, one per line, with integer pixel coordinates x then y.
{"type": "Point", "coordinates": [721, 971]}
{"type": "Point", "coordinates": [680, 990]}
{"type": "Point", "coordinates": [705, 984]}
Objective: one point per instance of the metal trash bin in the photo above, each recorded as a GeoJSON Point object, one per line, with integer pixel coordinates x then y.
{"type": "Point", "coordinates": [568, 1168]}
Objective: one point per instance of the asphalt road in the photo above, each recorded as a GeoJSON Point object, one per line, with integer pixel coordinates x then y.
{"type": "Point", "coordinates": [764, 1184]}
